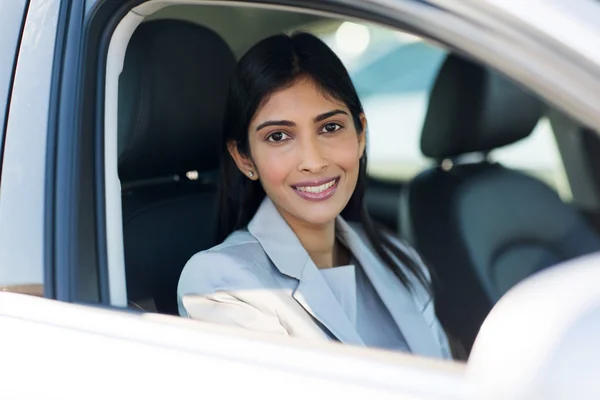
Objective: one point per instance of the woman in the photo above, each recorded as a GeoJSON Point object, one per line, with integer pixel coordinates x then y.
{"type": "Point", "coordinates": [299, 255]}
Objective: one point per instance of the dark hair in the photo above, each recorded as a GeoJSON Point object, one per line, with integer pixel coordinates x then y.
{"type": "Point", "coordinates": [271, 65]}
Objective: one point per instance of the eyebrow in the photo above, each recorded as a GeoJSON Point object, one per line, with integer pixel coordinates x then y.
{"type": "Point", "coordinates": [275, 123]}
{"type": "Point", "coordinates": [329, 114]}
{"type": "Point", "coordinates": [318, 118]}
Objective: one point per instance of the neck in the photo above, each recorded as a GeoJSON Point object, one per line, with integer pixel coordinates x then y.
{"type": "Point", "coordinates": [319, 242]}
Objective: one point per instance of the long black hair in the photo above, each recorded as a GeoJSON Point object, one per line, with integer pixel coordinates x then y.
{"type": "Point", "coordinates": [271, 65]}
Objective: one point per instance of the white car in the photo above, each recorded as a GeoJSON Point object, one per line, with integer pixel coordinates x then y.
{"type": "Point", "coordinates": [100, 210]}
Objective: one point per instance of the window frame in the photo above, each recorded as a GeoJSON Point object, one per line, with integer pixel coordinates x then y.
{"type": "Point", "coordinates": [450, 27]}
{"type": "Point", "coordinates": [443, 25]}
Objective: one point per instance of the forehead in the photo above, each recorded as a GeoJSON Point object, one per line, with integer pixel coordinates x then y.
{"type": "Point", "coordinates": [303, 100]}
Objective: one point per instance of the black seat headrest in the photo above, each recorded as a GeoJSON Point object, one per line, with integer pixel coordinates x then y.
{"type": "Point", "coordinates": [474, 109]}
{"type": "Point", "coordinates": [172, 94]}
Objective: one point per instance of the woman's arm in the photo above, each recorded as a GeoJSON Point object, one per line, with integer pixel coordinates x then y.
{"type": "Point", "coordinates": [223, 289]}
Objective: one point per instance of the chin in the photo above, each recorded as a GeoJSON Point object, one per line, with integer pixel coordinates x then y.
{"type": "Point", "coordinates": [317, 220]}
{"type": "Point", "coordinates": [317, 213]}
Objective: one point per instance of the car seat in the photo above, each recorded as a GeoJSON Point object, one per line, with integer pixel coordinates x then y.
{"type": "Point", "coordinates": [480, 226]}
{"type": "Point", "coordinates": [172, 94]}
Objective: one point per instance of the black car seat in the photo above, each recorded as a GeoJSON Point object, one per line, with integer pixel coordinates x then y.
{"type": "Point", "coordinates": [480, 226]}
{"type": "Point", "coordinates": [172, 96]}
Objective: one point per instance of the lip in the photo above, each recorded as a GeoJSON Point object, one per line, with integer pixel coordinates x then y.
{"type": "Point", "coordinates": [324, 195]}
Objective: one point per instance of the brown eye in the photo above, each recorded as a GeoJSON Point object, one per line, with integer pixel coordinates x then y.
{"type": "Point", "coordinates": [277, 137]}
{"type": "Point", "coordinates": [330, 128]}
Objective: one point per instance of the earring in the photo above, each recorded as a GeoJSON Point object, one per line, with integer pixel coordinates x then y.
{"type": "Point", "coordinates": [250, 174]}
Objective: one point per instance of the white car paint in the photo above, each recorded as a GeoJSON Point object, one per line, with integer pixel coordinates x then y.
{"type": "Point", "coordinates": [72, 352]}
{"type": "Point", "coordinates": [542, 339]}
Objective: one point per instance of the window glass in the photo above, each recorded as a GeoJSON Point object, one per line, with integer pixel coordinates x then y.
{"type": "Point", "coordinates": [394, 73]}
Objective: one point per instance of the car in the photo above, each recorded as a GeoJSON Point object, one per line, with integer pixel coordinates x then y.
{"type": "Point", "coordinates": [105, 194]}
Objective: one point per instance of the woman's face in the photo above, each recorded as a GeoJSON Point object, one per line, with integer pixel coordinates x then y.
{"type": "Point", "coordinates": [306, 152]}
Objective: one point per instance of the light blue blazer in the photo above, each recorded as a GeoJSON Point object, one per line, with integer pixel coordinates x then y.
{"type": "Point", "coordinates": [263, 279]}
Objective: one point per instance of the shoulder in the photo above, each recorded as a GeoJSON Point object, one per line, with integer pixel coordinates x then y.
{"type": "Point", "coordinates": [237, 263]}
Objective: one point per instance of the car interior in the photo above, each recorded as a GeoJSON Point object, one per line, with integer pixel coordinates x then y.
{"type": "Point", "coordinates": [488, 226]}
{"type": "Point", "coordinates": [480, 226]}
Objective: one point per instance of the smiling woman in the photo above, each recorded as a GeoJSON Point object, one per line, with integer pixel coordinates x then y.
{"type": "Point", "coordinates": [311, 154]}
{"type": "Point", "coordinates": [300, 256]}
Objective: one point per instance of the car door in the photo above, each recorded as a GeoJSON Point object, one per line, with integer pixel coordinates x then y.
{"type": "Point", "coordinates": [56, 350]}
{"type": "Point", "coordinates": [51, 220]}
{"type": "Point", "coordinates": [52, 240]}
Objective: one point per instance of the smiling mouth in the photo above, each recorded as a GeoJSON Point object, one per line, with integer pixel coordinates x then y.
{"type": "Point", "coordinates": [316, 189]}
{"type": "Point", "coordinates": [317, 192]}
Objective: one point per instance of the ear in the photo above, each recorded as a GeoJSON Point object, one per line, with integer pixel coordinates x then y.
{"type": "Point", "coordinates": [243, 162]}
{"type": "Point", "coordinates": [362, 137]}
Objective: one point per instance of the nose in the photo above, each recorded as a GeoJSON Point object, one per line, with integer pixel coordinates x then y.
{"type": "Point", "coordinates": [312, 159]}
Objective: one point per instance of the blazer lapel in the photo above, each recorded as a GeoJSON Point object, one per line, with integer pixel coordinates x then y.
{"type": "Point", "coordinates": [315, 296]}
{"type": "Point", "coordinates": [289, 256]}
{"type": "Point", "coordinates": [395, 296]}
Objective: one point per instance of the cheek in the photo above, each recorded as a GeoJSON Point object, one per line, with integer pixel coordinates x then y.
{"type": "Point", "coordinates": [273, 167]}
{"type": "Point", "coordinates": [346, 153]}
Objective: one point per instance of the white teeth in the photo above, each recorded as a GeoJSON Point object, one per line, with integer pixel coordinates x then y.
{"type": "Point", "coordinates": [316, 189]}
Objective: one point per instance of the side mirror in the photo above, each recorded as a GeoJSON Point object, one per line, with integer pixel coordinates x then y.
{"type": "Point", "coordinates": [542, 339]}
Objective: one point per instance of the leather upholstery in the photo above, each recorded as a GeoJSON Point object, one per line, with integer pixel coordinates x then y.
{"type": "Point", "coordinates": [480, 226]}
{"type": "Point", "coordinates": [171, 102]}
{"type": "Point", "coordinates": [171, 99]}
{"type": "Point", "coordinates": [472, 109]}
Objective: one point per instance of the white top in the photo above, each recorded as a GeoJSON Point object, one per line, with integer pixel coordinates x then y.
{"type": "Point", "coordinates": [363, 307]}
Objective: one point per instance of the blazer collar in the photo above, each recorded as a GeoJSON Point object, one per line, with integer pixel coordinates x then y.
{"type": "Point", "coordinates": [278, 240]}
{"type": "Point", "coordinates": [282, 245]}
{"type": "Point", "coordinates": [288, 255]}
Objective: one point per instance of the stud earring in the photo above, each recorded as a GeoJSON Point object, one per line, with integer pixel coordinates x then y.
{"type": "Point", "coordinates": [250, 174]}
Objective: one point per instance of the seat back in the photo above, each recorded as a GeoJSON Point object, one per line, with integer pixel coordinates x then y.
{"type": "Point", "coordinates": [172, 94]}
{"type": "Point", "coordinates": [483, 227]}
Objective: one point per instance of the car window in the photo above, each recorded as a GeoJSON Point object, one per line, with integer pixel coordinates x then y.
{"type": "Point", "coordinates": [394, 73]}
